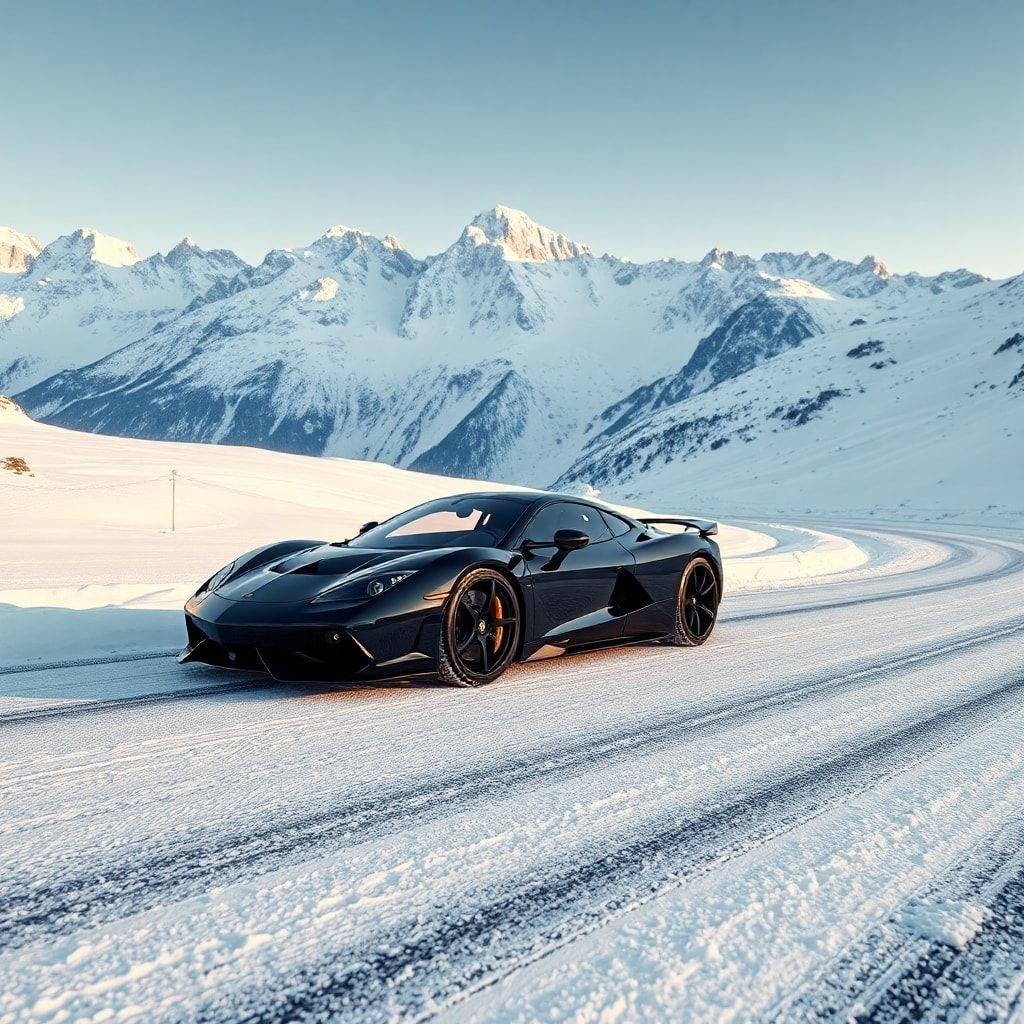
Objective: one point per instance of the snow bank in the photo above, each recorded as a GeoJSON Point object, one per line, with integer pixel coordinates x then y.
{"type": "Point", "coordinates": [91, 565]}
{"type": "Point", "coordinates": [825, 554]}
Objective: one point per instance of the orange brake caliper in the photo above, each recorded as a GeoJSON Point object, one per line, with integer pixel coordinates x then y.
{"type": "Point", "coordinates": [498, 614]}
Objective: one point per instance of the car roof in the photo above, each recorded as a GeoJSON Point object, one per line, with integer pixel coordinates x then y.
{"type": "Point", "coordinates": [527, 498]}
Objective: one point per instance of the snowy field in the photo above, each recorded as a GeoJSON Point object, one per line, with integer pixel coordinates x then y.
{"type": "Point", "coordinates": [819, 815]}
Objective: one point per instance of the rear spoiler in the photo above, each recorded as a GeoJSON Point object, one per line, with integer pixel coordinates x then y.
{"type": "Point", "coordinates": [705, 527]}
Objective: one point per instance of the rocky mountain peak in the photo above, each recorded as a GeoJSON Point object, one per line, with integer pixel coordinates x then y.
{"type": "Point", "coordinates": [875, 266]}
{"type": "Point", "coordinates": [17, 251]}
{"type": "Point", "coordinates": [103, 248]}
{"type": "Point", "coordinates": [185, 247]}
{"type": "Point", "coordinates": [343, 231]}
{"type": "Point", "coordinates": [725, 259]}
{"type": "Point", "coordinates": [83, 247]}
{"type": "Point", "coordinates": [520, 237]}
{"type": "Point", "coordinates": [350, 239]}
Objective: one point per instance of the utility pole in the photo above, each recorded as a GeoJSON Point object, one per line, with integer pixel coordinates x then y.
{"type": "Point", "coordinates": [174, 480]}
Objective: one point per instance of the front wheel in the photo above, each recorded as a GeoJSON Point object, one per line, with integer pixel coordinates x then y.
{"type": "Point", "coordinates": [697, 608]}
{"type": "Point", "coordinates": [480, 632]}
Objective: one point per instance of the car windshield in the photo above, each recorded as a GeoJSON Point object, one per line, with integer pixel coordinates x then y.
{"type": "Point", "coordinates": [445, 523]}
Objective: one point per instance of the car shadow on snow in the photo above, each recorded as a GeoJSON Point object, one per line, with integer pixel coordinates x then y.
{"type": "Point", "coordinates": [113, 655]}
{"type": "Point", "coordinates": [52, 657]}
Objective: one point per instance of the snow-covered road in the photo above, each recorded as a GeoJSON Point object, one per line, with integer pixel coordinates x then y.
{"type": "Point", "coordinates": [818, 814]}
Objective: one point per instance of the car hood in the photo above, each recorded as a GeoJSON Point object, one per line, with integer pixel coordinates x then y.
{"type": "Point", "coordinates": [305, 574]}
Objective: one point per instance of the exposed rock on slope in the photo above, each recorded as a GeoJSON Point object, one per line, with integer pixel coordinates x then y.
{"type": "Point", "coordinates": [17, 251]}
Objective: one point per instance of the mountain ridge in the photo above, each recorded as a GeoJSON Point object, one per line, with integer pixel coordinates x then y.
{"type": "Point", "coordinates": [514, 354]}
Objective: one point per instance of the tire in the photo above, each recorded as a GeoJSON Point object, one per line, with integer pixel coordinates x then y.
{"type": "Point", "coordinates": [480, 630]}
{"type": "Point", "coordinates": [697, 606]}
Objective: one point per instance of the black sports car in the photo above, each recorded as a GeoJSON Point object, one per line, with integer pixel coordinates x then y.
{"type": "Point", "coordinates": [460, 588]}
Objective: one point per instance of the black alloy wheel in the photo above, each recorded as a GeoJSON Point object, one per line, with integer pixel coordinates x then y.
{"type": "Point", "coordinates": [480, 634]}
{"type": "Point", "coordinates": [698, 604]}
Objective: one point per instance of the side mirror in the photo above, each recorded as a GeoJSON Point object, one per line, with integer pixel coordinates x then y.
{"type": "Point", "coordinates": [571, 540]}
{"type": "Point", "coordinates": [368, 526]}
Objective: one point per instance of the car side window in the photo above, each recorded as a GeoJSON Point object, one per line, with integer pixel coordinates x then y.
{"type": "Point", "coordinates": [544, 524]}
{"type": "Point", "coordinates": [564, 515]}
{"type": "Point", "coordinates": [619, 527]}
{"type": "Point", "coordinates": [590, 521]}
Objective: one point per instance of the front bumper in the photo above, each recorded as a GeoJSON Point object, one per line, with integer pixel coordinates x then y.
{"type": "Point", "coordinates": [312, 643]}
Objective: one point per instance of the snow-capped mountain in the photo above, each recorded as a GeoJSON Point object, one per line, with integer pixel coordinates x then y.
{"type": "Point", "coordinates": [520, 238]}
{"type": "Point", "coordinates": [17, 251]}
{"type": "Point", "coordinates": [488, 277]}
{"type": "Point", "coordinates": [352, 344]}
{"type": "Point", "coordinates": [86, 294]}
{"type": "Point", "coordinates": [514, 354]}
{"type": "Point", "coordinates": [924, 410]}
{"type": "Point", "coordinates": [201, 269]}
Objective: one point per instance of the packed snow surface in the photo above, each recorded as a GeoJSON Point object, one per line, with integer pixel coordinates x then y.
{"type": "Point", "coordinates": [817, 815]}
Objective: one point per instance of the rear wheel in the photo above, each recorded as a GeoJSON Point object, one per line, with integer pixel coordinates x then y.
{"type": "Point", "coordinates": [697, 608]}
{"type": "Point", "coordinates": [480, 632]}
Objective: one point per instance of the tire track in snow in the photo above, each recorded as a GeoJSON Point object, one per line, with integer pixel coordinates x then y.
{"type": "Point", "coordinates": [794, 694]}
{"type": "Point", "coordinates": [120, 659]}
{"type": "Point", "coordinates": [141, 882]}
{"type": "Point", "coordinates": [59, 773]}
{"type": "Point", "coordinates": [980, 981]}
{"type": "Point", "coordinates": [1013, 565]}
{"type": "Point", "coordinates": [73, 709]}
{"type": "Point", "coordinates": [870, 978]}
{"type": "Point", "coordinates": [416, 968]}
{"type": "Point", "coordinates": [963, 551]}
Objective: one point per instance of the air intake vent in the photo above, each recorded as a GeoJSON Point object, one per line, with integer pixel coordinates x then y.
{"type": "Point", "coordinates": [307, 569]}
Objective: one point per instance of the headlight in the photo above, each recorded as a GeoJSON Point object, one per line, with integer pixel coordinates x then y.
{"type": "Point", "coordinates": [368, 584]}
{"type": "Point", "coordinates": [216, 579]}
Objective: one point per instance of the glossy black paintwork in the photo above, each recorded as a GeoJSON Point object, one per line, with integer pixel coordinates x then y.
{"type": "Point", "coordinates": [617, 589]}
{"type": "Point", "coordinates": [572, 589]}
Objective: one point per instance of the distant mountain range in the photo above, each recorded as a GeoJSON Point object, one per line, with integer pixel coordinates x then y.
{"type": "Point", "coordinates": [515, 354]}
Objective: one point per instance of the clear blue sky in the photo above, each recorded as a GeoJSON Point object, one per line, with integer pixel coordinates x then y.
{"type": "Point", "coordinates": [647, 130]}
